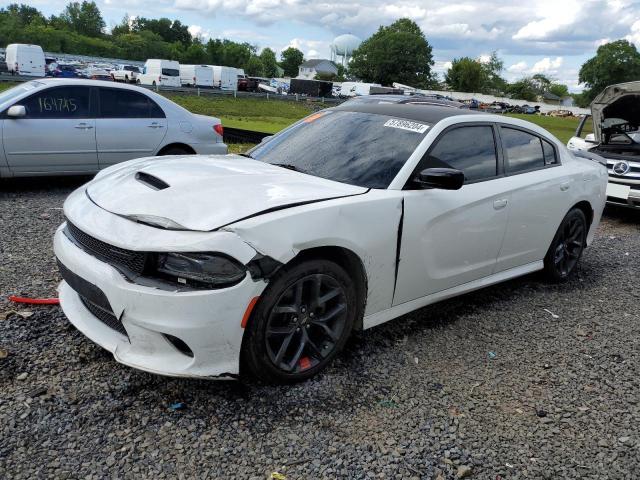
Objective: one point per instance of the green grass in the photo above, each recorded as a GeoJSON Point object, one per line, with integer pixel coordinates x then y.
{"type": "Point", "coordinates": [261, 115]}
{"type": "Point", "coordinates": [562, 128]}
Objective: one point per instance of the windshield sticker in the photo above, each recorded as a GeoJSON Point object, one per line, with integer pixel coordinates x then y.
{"type": "Point", "coordinates": [407, 125]}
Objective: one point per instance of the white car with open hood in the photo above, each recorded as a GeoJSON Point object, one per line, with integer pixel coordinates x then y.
{"type": "Point", "coordinates": [615, 139]}
{"type": "Point", "coordinates": [205, 266]}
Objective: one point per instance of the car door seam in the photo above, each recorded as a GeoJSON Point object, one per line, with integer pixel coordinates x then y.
{"type": "Point", "coordinates": [398, 248]}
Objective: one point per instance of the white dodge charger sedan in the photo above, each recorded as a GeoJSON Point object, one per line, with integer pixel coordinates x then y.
{"type": "Point", "coordinates": [72, 126]}
{"type": "Point", "coordinates": [209, 266]}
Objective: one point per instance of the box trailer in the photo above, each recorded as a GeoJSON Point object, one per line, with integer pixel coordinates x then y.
{"type": "Point", "coordinates": [311, 88]}
{"type": "Point", "coordinates": [224, 78]}
{"type": "Point", "coordinates": [196, 76]}
{"type": "Point", "coordinates": [27, 60]}
{"type": "Point", "coordinates": [355, 89]}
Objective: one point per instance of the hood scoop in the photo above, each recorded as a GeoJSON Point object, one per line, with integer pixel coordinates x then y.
{"type": "Point", "coordinates": [151, 181]}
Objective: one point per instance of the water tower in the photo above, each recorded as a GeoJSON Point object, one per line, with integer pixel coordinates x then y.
{"type": "Point", "coordinates": [343, 47]}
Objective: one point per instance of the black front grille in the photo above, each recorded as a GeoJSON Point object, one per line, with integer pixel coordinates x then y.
{"type": "Point", "coordinates": [106, 317]}
{"type": "Point", "coordinates": [128, 259]}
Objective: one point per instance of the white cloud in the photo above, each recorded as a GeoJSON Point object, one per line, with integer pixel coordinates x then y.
{"type": "Point", "coordinates": [547, 65]}
{"type": "Point", "coordinates": [634, 36]}
{"type": "Point", "coordinates": [197, 31]}
{"type": "Point", "coordinates": [519, 67]}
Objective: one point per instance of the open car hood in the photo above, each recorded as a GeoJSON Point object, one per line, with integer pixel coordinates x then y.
{"type": "Point", "coordinates": [203, 193]}
{"type": "Point", "coordinates": [616, 101]}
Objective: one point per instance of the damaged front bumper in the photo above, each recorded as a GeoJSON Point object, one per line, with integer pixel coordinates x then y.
{"type": "Point", "coordinates": [193, 333]}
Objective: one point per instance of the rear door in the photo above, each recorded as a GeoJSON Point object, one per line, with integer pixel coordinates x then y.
{"type": "Point", "coordinates": [57, 135]}
{"type": "Point", "coordinates": [541, 195]}
{"type": "Point", "coordinates": [452, 237]}
{"type": "Point", "coordinates": [129, 125]}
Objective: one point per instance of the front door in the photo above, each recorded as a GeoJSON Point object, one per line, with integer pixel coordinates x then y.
{"type": "Point", "coordinates": [57, 135]}
{"type": "Point", "coordinates": [452, 237]}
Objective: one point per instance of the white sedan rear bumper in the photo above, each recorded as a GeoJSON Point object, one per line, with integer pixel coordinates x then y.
{"type": "Point", "coordinates": [207, 321]}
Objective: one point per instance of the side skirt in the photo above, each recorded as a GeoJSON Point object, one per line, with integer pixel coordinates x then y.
{"type": "Point", "coordinates": [407, 307]}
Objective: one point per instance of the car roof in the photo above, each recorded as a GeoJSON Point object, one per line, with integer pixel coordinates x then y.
{"type": "Point", "coordinates": [86, 82]}
{"type": "Point", "coordinates": [427, 113]}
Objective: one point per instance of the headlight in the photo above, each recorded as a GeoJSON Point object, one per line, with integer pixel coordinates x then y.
{"type": "Point", "coordinates": [200, 270]}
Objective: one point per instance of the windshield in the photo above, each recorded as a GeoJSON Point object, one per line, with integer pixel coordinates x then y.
{"type": "Point", "coordinates": [131, 68]}
{"type": "Point", "coordinates": [170, 72]}
{"type": "Point", "coordinates": [15, 92]}
{"type": "Point", "coordinates": [357, 148]}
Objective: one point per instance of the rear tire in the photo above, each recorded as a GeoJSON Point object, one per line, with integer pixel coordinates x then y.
{"type": "Point", "coordinates": [175, 151]}
{"type": "Point", "coordinates": [567, 247]}
{"type": "Point", "coordinates": [301, 322]}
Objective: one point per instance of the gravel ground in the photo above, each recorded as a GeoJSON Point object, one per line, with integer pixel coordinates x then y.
{"type": "Point", "coordinates": [521, 380]}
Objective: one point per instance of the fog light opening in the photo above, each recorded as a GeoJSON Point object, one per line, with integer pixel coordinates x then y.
{"type": "Point", "coordinates": [179, 344]}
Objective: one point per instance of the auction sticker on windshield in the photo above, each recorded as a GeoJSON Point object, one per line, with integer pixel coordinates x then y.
{"type": "Point", "coordinates": [407, 125]}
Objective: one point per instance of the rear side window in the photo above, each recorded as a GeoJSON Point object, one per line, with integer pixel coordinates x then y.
{"type": "Point", "coordinates": [469, 149]}
{"type": "Point", "coordinates": [59, 103]}
{"type": "Point", "coordinates": [523, 150]}
{"type": "Point", "coordinates": [170, 72]}
{"type": "Point", "coordinates": [549, 153]}
{"type": "Point", "coordinates": [120, 103]}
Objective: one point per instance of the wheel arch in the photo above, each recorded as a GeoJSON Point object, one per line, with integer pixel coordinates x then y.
{"type": "Point", "coordinates": [189, 149]}
{"type": "Point", "coordinates": [350, 262]}
{"type": "Point", "coordinates": [587, 209]}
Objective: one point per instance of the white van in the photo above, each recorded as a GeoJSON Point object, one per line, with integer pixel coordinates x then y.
{"type": "Point", "coordinates": [164, 73]}
{"type": "Point", "coordinates": [225, 78]}
{"type": "Point", "coordinates": [355, 89]}
{"type": "Point", "coordinates": [27, 60]}
{"type": "Point", "coordinates": [196, 76]}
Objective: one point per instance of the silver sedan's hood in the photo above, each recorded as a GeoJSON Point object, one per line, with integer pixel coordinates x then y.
{"type": "Point", "coordinates": [206, 192]}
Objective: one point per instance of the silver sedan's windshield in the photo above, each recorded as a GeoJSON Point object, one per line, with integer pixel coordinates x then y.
{"type": "Point", "coordinates": [15, 92]}
{"type": "Point", "coordinates": [362, 149]}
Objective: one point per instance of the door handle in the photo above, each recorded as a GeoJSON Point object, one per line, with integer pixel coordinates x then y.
{"type": "Point", "coordinates": [564, 186]}
{"type": "Point", "coordinates": [83, 126]}
{"type": "Point", "coordinates": [155, 125]}
{"type": "Point", "coordinates": [500, 204]}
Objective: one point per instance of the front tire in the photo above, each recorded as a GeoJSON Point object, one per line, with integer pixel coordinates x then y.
{"type": "Point", "coordinates": [302, 321]}
{"type": "Point", "coordinates": [175, 151]}
{"type": "Point", "coordinates": [567, 246]}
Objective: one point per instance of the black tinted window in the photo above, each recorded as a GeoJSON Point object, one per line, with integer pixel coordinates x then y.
{"type": "Point", "coordinates": [170, 72]}
{"type": "Point", "coordinates": [469, 149]}
{"type": "Point", "coordinates": [524, 151]}
{"type": "Point", "coordinates": [351, 147]}
{"type": "Point", "coordinates": [549, 153]}
{"type": "Point", "coordinates": [61, 102]}
{"type": "Point", "coordinates": [119, 103]}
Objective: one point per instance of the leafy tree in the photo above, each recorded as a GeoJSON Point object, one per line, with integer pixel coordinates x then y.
{"type": "Point", "coordinates": [24, 15]}
{"type": "Point", "coordinates": [466, 75]}
{"type": "Point", "coordinates": [493, 83]}
{"type": "Point", "coordinates": [254, 67]}
{"type": "Point", "coordinates": [84, 18]}
{"type": "Point", "coordinates": [215, 51]}
{"type": "Point", "coordinates": [541, 83]}
{"type": "Point", "coordinates": [123, 27]}
{"type": "Point", "coordinates": [290, 61]}
{"type": "Point", "coordinates": [525, 89]}
{"type": "Point", "coordinates": [397, 53]}
{"type": "Point", "coordinates": [614, 62]}
{"type": "Point", "coordinates": [269, 63]}
{"type": "Point", "coordinates": [559, 90]}
{"type": "Point", "coordinates": [195, 54]}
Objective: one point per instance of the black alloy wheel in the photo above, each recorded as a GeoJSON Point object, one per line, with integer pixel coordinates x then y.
{"type": "Point", "coordinates": [567, 246]}
{"type": "Point", "coordinates": [300, 323]}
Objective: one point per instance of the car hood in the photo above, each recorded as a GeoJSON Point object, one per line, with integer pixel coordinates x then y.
{"type": "Point", "coordinates": [206, 192]}
{"type": "Point", "coordinates": [616, 101]}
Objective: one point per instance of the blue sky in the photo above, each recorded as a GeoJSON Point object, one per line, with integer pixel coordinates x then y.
{"type": "Point", "coordinates": [553, 37]}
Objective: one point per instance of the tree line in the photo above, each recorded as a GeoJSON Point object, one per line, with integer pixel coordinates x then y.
{"type": "Point", "coordinates": [398, 52]}
{"type": "Point", "coordinates": [81, 30]}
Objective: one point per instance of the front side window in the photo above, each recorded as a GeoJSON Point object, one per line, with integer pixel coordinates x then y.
{"type": "Point", "coordinates": [120, 103]}
{"type": "Point", "coordinates": [471, 150]}
{"type": "Point", "coordinates": [357, 148]}
{"type": "Point", "coordinates": [523, 150]}
{"type": "Point", "coordinates": [59, 103]}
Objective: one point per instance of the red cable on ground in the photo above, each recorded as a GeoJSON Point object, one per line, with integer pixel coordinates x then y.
{"type": "Point", "coordinates": [34, 301]}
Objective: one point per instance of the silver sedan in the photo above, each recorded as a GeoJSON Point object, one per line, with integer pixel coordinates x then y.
{"type": "Point", "coordinates": [66, 127]}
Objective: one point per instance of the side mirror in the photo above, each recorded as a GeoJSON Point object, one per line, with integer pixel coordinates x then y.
{"type": "Point", "coordinates": [442, 178]}
{"type": "Point", "coordinates": [591, 138]}
{"type": "Point", "coordinates": [17, 111]}
{"type": "Point", "coordinates": [266, 139]}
